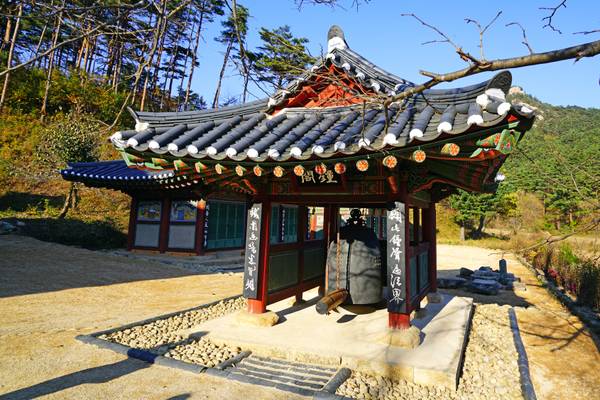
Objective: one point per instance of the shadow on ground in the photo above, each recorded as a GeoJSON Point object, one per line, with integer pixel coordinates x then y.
{"type": "Point", "coordinates": [28, 266]}
{"type": "Point", "coordinates": [100, 374]}
{"type": "Point", "coordinates": [22, 201]}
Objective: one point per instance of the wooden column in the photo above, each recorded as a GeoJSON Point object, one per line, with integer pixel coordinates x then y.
{"type": "Point", "coordinates": [132, 221]}
{"type": "Point", "coordinates": [259, 304]}
{"type": "Point", "coordinates": [330, 228]}
{"type": "Point", "coordinates": [163, 237]}
{"type": "Point", "coordinates": [200, 220]}
{"type": "Point", "coordinates": [303, 216]}
{"type": "Point", "coordinates": [430, 232]}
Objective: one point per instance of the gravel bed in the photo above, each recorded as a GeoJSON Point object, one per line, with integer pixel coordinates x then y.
{"type": "Point", "coordinates": [490, 369]}
{"type": "Point", "coordinates": [204, 352]}
{"type": "Point", "coordinates": [161, 335]}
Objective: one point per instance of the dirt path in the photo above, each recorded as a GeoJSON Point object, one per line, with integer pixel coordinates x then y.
{"type": "Point", "coordinates": [50, 293]}
{"type": "Point", "coordinates": [564, 361]}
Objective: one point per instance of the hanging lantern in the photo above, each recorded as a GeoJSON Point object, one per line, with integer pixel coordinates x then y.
{"type": "Point", "coordinates": [362, 165]}
{"type": "Point", "coordinates": [298, 170]}
{"type": "Point", "coordinates": [278, 171]}
{"type": "Point", "coordinates": [258, 171]}
{"type": "Point", "coordinates": [390, 162]}
{"type": "Point", "coordinates": [418, 156]}
{"type": "Point", "coordinates": [320, 169]}
{"type": "Point", "coordinates": [451, 149]}
{"type": "Point", "coordinates": [240, 170]}
{"type": "Point", "coordinates": [219, 169]}
{"type": "Point", "coordinates": [339, 168]}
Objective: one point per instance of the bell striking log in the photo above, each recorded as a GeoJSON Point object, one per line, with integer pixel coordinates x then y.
{"type": "Point", "coordinates": [331, 301]}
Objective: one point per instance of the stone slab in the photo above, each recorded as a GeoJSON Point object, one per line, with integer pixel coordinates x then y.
{"type": "Point", "coordinates": [352, 338]}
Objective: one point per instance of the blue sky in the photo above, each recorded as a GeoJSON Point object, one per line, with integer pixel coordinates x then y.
{"type": "Point", "coordinates": [381, 34]}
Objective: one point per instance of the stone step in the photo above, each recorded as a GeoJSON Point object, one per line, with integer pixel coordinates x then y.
{"type": "Point", "coordinates": [304, 379]}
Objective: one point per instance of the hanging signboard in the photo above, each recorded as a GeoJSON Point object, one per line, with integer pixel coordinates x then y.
{"type": "Point", "coordinates": [252, 251]}
{"type": "Point", "coordinates": [396, 259]}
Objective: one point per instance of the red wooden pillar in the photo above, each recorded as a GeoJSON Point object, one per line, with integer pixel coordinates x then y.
{"type": "Point", "coordinates": [132, 221]}
{"type": "Point", "coordinates": [398, 320]}
{"type": "Point", "coordinates": [163, 238]}
{"type": "Point", "coordinates": [200, 221]}
{"type": "Point", "coordinates": [259, 305]}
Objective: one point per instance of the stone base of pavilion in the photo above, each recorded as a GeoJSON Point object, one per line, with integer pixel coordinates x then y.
{"type": "Point", "coordinates": [357, 337]}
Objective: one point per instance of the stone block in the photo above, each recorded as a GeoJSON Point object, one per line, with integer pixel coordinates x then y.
{"type": "Point", "coordinates": [465, 272]}
{"type": "Point", "coordinates": [450, 283]}
{"type": "Point", "coordinates": [403, 338]}
{"type": "Point", "coordinates": [484, 286]}
{"type": "Point", "coordinates": [490, 275]}
{"type": "Point", "coordinates": [434, 297]}
{"type": "Point", "coordinates": [265, 319]}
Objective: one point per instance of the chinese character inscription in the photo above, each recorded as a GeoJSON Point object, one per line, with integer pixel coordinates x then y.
{"type": "Point", "coordinates": [252, 252]}
{"type": "Point", "coordinates": [396, 258]}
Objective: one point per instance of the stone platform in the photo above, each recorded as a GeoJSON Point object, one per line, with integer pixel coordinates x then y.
{"type": "Point", "coordinates": [355, 338]}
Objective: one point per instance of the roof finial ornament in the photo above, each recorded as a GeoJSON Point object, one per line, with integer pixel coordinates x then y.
{"type": "Point", "coordinates": [335, 39]}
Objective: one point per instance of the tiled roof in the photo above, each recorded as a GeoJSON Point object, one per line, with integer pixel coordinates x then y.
{"type": "Point", "coordinates": [267, 130]}
{"type": "Point", "coordinates": [248, 132]}
{"type": "Point", "coordinates": [116, 171]}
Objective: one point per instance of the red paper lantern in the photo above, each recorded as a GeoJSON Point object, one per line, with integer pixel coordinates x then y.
{"type": "Point", "coordinates": [339, 168]}
{"type": "Point", "coordinates": [320, 169]}
{"type": "Point", "coordinates": [390, 162]}
{"type": "Point", "coordinates": [257, 170]}
{"type": "Point", "coordinates": [278, 172]}
{"type": "Point", "coordinates": [219, 169]}
{"type": "Point", "coordinates": [362, 165]}
{"type": "Point", "coordinates": [240, 170]}
{"type": "Point", "coordinates": [299, 170]}
{"type": "Point", "coordinates": [419, 156]}
{"type": "Point", "coordinates": [451, 148]}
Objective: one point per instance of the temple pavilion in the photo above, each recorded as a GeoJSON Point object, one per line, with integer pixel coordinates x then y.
{"type": "Point", "coordinates": [271, 176]}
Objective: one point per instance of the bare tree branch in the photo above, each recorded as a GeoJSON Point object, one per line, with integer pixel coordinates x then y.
{"type": "Point", "coordinates": [465, 56]}
{"type": "Point", "coordinates": [575, 52]}
{"type": "Point", "coordinates": [548, 18]}
{"type": "Point", "coordinates": [587, 32]}
{"type": "Point", "coordinates": [482, 30]}
{"type": "Point", "coordinates": [525, 41]}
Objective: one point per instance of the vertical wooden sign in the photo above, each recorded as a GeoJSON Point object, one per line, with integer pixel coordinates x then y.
{"type": "Point", "coordinates": [396, 259]}
{"type": "Point", "coordinates": [251, 261]}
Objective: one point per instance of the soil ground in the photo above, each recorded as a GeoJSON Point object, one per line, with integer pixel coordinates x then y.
{"type": "Point", "coordinates": [51, 293]}
{"type": "Point", "coordinates": [563, 356]}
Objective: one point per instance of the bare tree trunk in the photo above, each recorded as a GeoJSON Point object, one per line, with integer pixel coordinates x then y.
{"type": "Point", "coordinates": [215, 103]}
{"type": "Point", "coordinates": [70, 201]}
{"type": "Point", "coordinates": [462, 231]}
{"type": "Point", "coordinates": [194, 61]}
{"type": "Point", "coordinates": [10, 56]}
{"type": "Point", "coordinates": [7, 32]}
{"type": "Point", "coordinates": [148, 64]}
{"type": "Point", "coordinates": [51, 64]}
{"type": "Point", "coordinates": [39, 45]}
{"type": "Point", "coordinates": [479, 230]}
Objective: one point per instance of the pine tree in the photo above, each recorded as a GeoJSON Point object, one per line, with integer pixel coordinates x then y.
{"type": "Point", "coordinates": [232, 28]}
{"type": "Point", "coordinates": [281, 57]}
